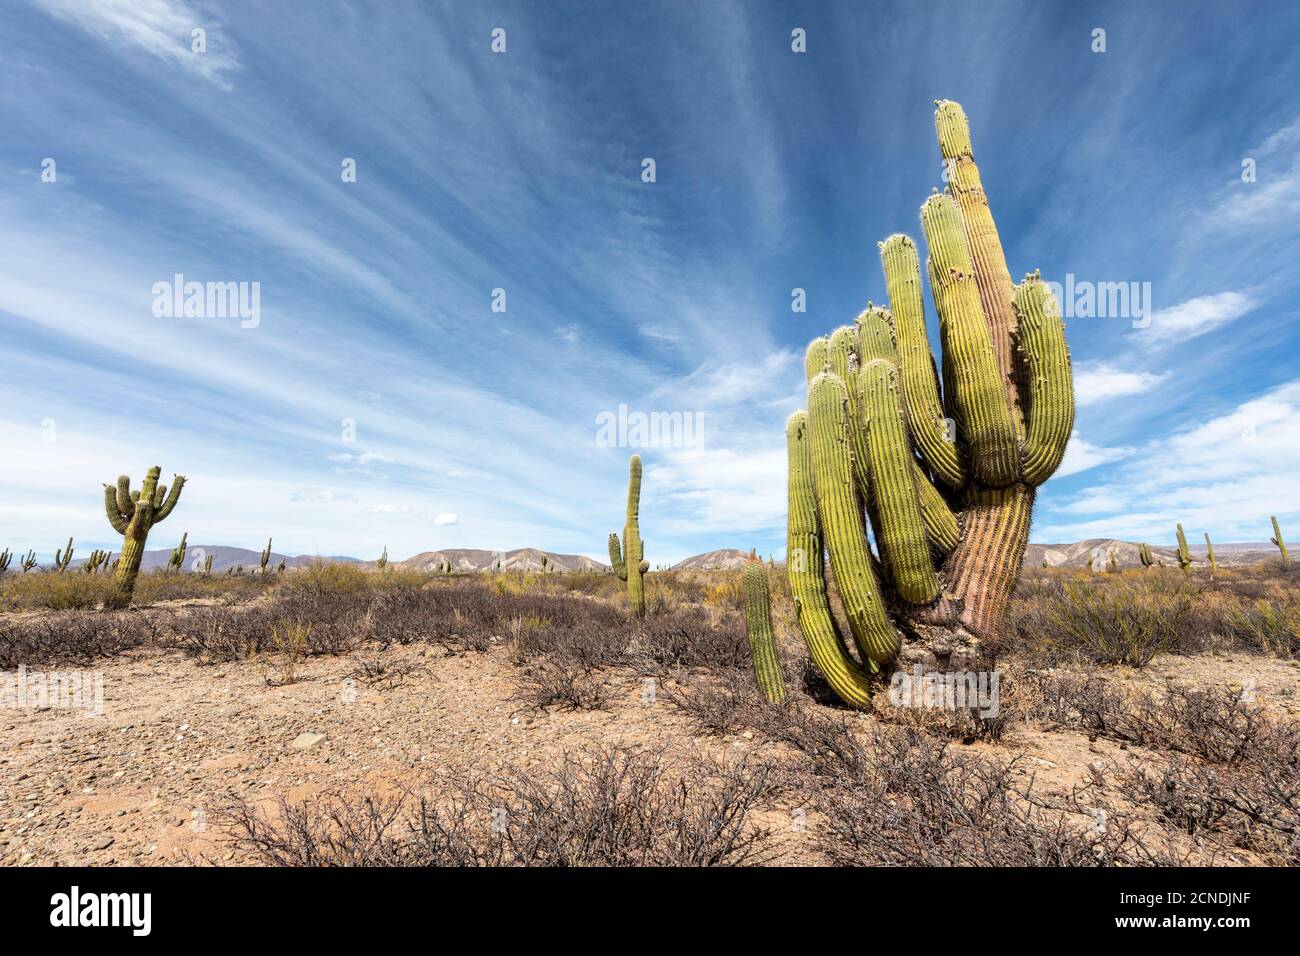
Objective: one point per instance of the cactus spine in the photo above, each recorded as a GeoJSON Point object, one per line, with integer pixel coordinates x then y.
{"type": "Point", "coordinates": [63, 558]}
{"type": "Point", "coordinates": [383, 559]}
{"type": "Point", "coordinates": [1278, 541]}
{"type": "Point", "coordinates": [132, 515]}
{"type": "Point", "coordinates": [178, 554]}
{"type": "Point", "coordinates": [629, 562]}
{"type": "Point", "coordinates": [762, 643]}
{"type": "Point", "coordinates": [1209, 551]}
{"type": "Point", "coordinates": [945, 466]}
{"type": "Point", "coordinates": [1184, 555]}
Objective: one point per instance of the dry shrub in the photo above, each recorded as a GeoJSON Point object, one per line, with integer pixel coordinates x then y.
{"type": "Point", "coordinates": [1124, 620]}
{"type": "Point", "coordinates": [77, 637]}
{"type": "Point", "coordinates": [65, 591]}
{"type": "Point", "coordinates": [600, 808]}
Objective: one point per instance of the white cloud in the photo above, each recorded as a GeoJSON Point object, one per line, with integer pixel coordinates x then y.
{"type": "Point", "coordinates": [1196, 317]}
{"type": "Point", "coordinates": [1225, 476]}
{"type": "Point", "coordinates": [1096, 383]}
{"type": "Point", "coordinates": [447, 517]}
{"type": "Point", "coordinates": [1081, 455]}
{"type": "Point", "coordinates": [162, 28]}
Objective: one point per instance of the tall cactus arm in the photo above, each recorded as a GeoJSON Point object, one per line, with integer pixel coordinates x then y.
{"type": "Point", "coordinates": [841, 521]}
{"type": "Point", "coordinates": [758, 624]}
{"type": "Point", "coordinates": [850, 680]}
{"type": "Point", "coordinates": [901, 531]}
{"type": "Point", "coordinates": [816, 357]}
{"type": "Point", "coordinates": [616, 557]}
{"type": "Point", "coordinates": [1050, 415]}
{"type": "Point", "coordinates": [112, 508]}
{"type": "Point", "coordinates": [988, 260]}
{"type": "Point", "coordinates": [125, 499]}
{"type": "Point", "coordinates": [169, 503]}
{"type": "Point", "coordinates": [1184, 555]}
{"type": "Point", "coordinates": [925, 415]}
{"type": "Point", "coordinates": [843, 357]}
{"type": "Point", "coordinates": [970, 365]}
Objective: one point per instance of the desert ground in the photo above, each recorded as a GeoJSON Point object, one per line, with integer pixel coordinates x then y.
{"type": "Point", "coordinates": [334, 715]}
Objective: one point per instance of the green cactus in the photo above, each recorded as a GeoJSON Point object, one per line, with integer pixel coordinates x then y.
{"type": "Point", "coordinates": [1144, 555]}
{"type": "Point", "coordinates": [133, 515]}
{"type": "Point", "coordinates": [1209, 550]}
{"type": "Point", "coordinates": [63, 558]}
{"type": "Point", "coordinates": [544, 564]}
{"type": "Point", "coordinates": [383, 559]}
{"type": "Point", "coordinates": [5, 557]}
{"type": "Point", "coordinates": [1278, 541]}
{"type": "Point", "coordinates": [207, 564]}
{"type": "Point", "coordinates": [629, 562]}
{"type": "Point", "coordinates": [1184, 555]}
{"type": "Point", "coordinates": [947, 481]}
{"type": "Point", "coordinates": [28, 562]}
{"type": "Point", "coordinates": [265, 558]}
{"type": "Point", "coordinates": [762, 643]}
{"type": "Point", "coordinates": [97, 561]}
{"type": "Point", "coordinates": [280, 567]}
{"type": "Point", "coordinates": [178, 554]}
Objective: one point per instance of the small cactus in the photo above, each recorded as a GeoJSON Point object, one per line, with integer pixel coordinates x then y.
{"type": "Point", "coordinates": [207, 564]}
{"type": "Point", "coordinates": [133, 515]}
{"type": "Point", "coordinates": [266, 556]}
{"type": "Point", "coordinates": [629, 561]}
{"type": "Point", "coordinates": [280, 569]}
{"type": "Point", "coordinates": [63, 558]}
{"type": "Point", "coordinates": [5, 557]}
{"type": "Point", "coordinates": [1091, 560]}
{"type": "Point", "coordinates": [98, 560]}
{"type": "Point", "coordinates": [758, 621]}
{"type": "Point", "coordinates": [1278, 540]}
{"type": "Point", "coordinates": [1184, 555]}
{"type": "Point", "coordinates": [1209, 550]}
{"type": "Point", "coordinates": [383, 559]}
{"type": "Point", "coordinates": [544, 563]}
{"type": "Point", "coordinates": [1144, 555]}
{"type": "Point", "coordinates": [1112, 565]}
{"type": "Point", "coordinates": [28, 562]}
{"type": "Point", "coordinates": [178, 554]}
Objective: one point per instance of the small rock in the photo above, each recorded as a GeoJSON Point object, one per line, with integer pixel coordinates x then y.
{"type": "Point", "coordinates": [307, 741]}
{"type": "Point", "coordinates": [103, 843]}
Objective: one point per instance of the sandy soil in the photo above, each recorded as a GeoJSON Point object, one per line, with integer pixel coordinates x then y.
{"type": "Point", "coordinates": [140, 783]}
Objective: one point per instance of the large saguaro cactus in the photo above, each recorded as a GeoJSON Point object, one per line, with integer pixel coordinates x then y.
{"type": "Point", "coordinates": [132, 514]}
{"type": "Point", "coordinates": [629, 563]}
{"type": "Point", "coordinates": [943, 467]}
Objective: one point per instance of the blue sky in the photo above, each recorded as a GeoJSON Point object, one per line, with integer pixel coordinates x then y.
{"type": "Point", "coordinates": [522, 171]}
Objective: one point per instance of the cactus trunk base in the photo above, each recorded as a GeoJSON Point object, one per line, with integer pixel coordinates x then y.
{"type": "Point", "coordinates": [128, 569]}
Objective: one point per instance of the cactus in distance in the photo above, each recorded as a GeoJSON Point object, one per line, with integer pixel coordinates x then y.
{"type": "Point", "coordinates": [28, 561]}
{"type": "Point", "coordinates": [383, 559]}
{"type": "Point", "coordinates": [1144, 555]}
{"type": "Point", "coordinates": [264, 558]}
{"type": "Point", "coordinates": [629, 561]}
{"type": "Point", "coordinates": [132, 515]}
{"type": "Point", "coordinates": [5, 557]}
{"type": "Point", "coordinates": [1112, 564]}
{"type": "Point", "coordinates": [1184, 555]}
{"type": "Point", "coordinates": [946, 477]}
{"type": "Point", "coordinates": [97, 561]}
{"type": "Point", "coordinates": [207, 564]}
{"type": "Point", "coordinates": [1278, 542]}
{"type": "Point", "coordinates": [63, 557]}
{"type": "Point", "coordinates": [1209, 552]}
{"type": "Point", "coordinates": [178, 554]}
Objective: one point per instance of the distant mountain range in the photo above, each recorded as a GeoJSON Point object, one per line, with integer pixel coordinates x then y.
{"type": "Point", "coordinates": [465, 560]}
{"type": "Point", "coordinates": [1230, 553]}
